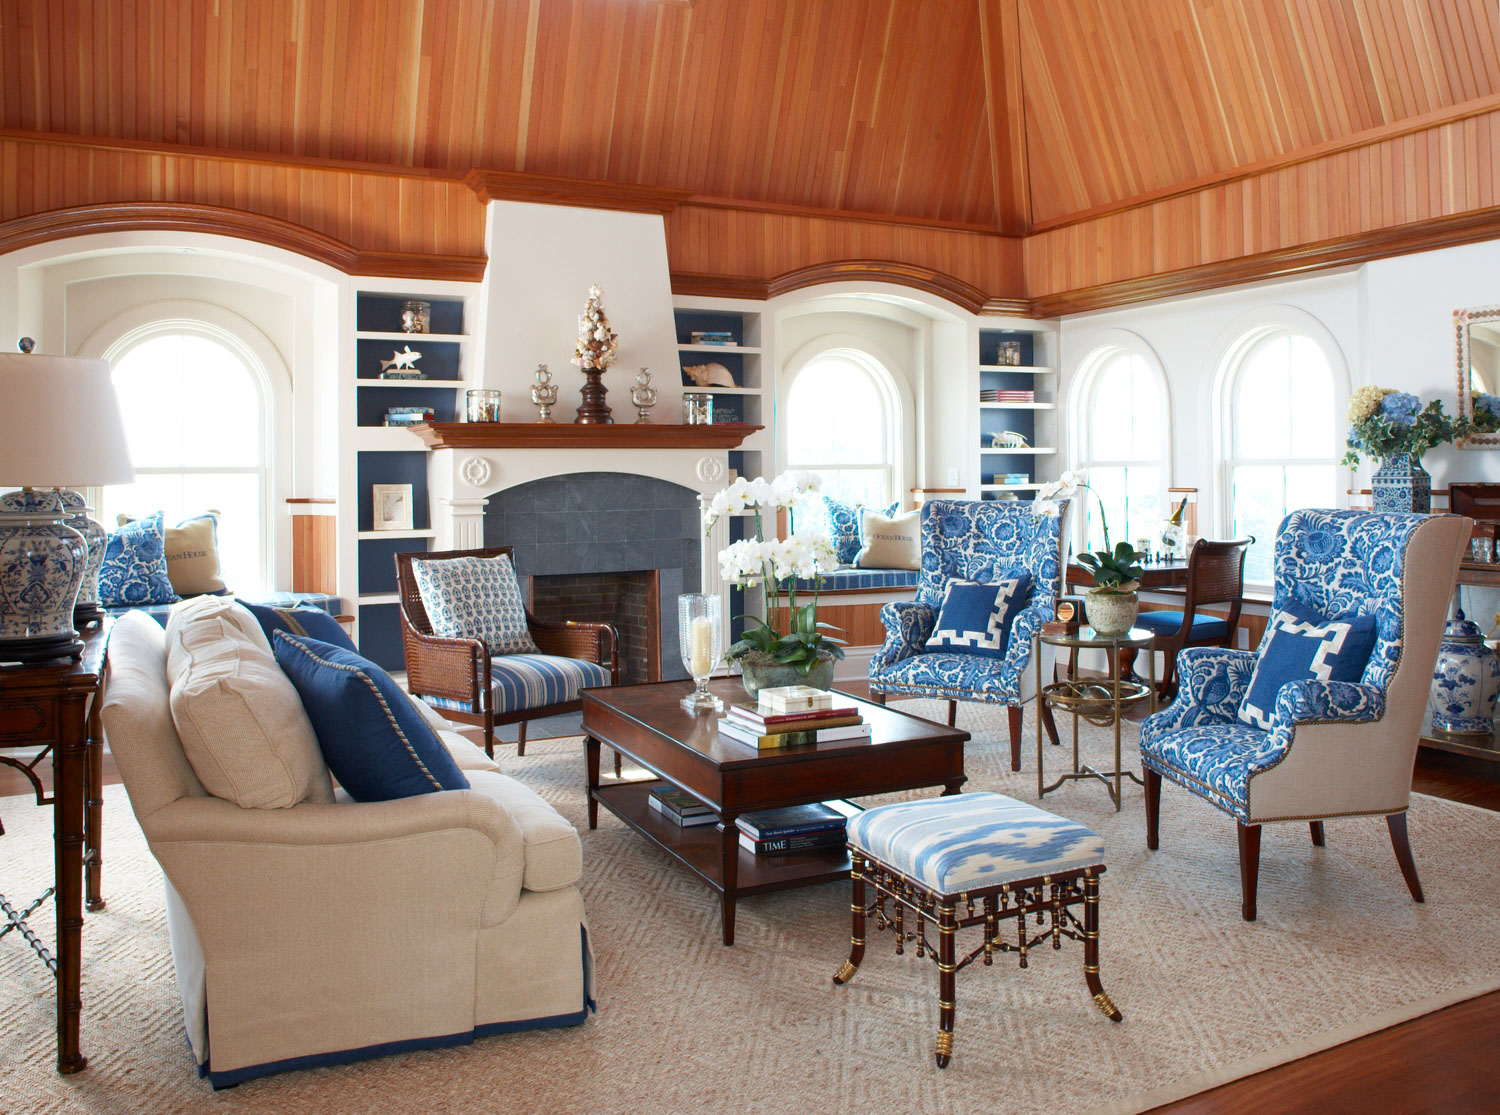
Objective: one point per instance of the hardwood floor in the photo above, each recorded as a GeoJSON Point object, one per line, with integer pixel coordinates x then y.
{"type": "Point", "coordinates": [1447, 1061]}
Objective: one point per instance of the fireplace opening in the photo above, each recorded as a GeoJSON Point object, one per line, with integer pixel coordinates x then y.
{"type": "Point", "coordinates": [629, 600]}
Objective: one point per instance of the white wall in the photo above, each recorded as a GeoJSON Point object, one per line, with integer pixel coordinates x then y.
{"type": "Point", "coordinates": [543, 259]}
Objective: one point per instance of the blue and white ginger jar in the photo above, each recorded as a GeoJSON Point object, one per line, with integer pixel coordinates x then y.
{"type": "Point", "coordinates": [1465, 681]}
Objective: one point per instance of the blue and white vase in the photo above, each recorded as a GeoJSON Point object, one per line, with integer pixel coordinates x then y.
{"type": "Point", "coordinates": [1402, 484]}
{"type": "Point", "coordinates": [42, 560]}
{"type": "Point", "coordinates": [1464, 682]}
{"type": "Point", "coordinates": [87, 609]}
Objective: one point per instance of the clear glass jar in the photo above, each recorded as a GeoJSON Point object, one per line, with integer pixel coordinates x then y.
{"type": "Point", "coordinates": [697, 408]}
{"type": "Point", "coordinates": [483, 405]}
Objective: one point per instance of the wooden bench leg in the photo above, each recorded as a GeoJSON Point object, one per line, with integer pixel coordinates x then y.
{"type": "Point", "coordinates": [1091, 949]}
{"type": "Point", "coordinates": [947, 985]}
{"type": "Point", "coordinates": [857, 909]}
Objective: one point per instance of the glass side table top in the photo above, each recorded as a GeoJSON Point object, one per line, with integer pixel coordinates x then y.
{"type": "Point", "coordinates": [1086, 636]}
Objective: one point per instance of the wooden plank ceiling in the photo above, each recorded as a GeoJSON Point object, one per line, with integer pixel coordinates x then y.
{"type": "Point", "coordinates": [930, 133]}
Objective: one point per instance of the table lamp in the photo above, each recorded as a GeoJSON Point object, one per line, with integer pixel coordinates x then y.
{"type": "Point", "coordinates": [63, 430]}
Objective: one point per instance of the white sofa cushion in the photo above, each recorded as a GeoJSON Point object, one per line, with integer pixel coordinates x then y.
{"type": "Point", "coordinates": [554, 854]}
{"type": "Point", "coordinates": [242, 725]}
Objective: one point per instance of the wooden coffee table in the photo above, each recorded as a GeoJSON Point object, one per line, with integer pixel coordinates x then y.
{"type": "Point", "coordinates": [646, 723]}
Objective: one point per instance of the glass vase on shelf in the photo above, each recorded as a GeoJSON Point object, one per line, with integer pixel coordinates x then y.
{"type": "Point", "coordinates": [700, 631]}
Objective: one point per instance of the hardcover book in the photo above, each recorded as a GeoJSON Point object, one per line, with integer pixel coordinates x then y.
{"type": "Point", "coordinates": [797, 820]}
{"type": "Point", "coordinates": [783, 845]}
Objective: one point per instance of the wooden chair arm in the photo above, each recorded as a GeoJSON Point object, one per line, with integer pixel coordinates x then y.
{"type": "Point", "coordinates": [593, 642]}
{"type": "Point", "coordinates": [458, 669]}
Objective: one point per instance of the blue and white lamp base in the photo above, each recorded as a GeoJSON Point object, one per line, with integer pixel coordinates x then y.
{"type": "Point", "coordinates": [42, 565]}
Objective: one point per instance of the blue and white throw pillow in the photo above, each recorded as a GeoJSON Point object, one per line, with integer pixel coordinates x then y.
{"type": "Point", "coordinates": [976, 618]}
{"type": "Point", "coordinates": [314, 623]}
{"type": "Point", "coordinates": [373, 739]}
{"type": "Point", "coordinates": [135, 565]}
{"type": "Point", "coordinates": [1302, 645]}
{"type": "Point", "coordinates": [842, 522]}
{"type": "Point", "coordinates": [475, 598]}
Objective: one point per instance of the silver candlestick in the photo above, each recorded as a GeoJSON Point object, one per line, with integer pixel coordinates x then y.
{"type": "Point", "coordinates": [544, 393]}
{"type": "Point", "coordinates": [643, 395]}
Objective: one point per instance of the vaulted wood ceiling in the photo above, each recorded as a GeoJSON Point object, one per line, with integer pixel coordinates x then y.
{"type": "Point", "coordinates": [1010, 116]}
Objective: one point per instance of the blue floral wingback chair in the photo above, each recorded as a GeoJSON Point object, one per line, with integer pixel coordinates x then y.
{"type": "Point", "coordinates": [1265, 750]}
{"type": "Point", "coordinates": [980, 542]}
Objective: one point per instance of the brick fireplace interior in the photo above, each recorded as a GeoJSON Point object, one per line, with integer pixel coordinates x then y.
{"type": "Point", "coordinates": [629, 600]}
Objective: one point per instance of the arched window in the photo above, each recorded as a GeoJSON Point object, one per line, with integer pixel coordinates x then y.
{"type": "Point", "coordinates": [194, 408]}
{"type": "Point", "coordinates": [1121, 438]}
{"type": "Point", "coordinates": [843, 420]}
{"type": "Point", "coordinates": [1281, 435]}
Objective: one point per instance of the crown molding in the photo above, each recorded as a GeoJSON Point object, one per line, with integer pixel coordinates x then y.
{"type": "Point", "coordinates": [584, 193]}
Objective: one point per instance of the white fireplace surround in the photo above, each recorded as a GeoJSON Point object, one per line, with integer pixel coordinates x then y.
{"type": "Point", "coordinates": [460, 482]}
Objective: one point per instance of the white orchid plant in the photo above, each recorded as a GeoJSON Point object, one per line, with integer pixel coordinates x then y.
{"type": "Point", "coordinates": [1115, 569]}
{"type": "Point", "coordinates": [777, 563]}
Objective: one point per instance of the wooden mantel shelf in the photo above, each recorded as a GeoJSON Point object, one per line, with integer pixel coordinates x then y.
{"type": "Point", "coordinates": [567, 435]}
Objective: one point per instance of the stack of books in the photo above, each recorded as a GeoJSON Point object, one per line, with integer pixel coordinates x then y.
{"type": "Point", "coordinates": [797, 828]}
{"type": "Point", "coordinates": [761, 726]}
{"type": "Point", "coordinates": [681, 808]}
{"type": "Point", "coordinates": [402, 373]}
{"type": "Point", "coordinates": [1006, 395]}
{"type": "Point", "coordinates": [712, 337]}
{"type": "Point", "coordinates": [408, 416]}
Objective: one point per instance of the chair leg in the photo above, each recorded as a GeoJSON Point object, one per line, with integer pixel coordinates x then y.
{"type": "Point", "coordinates": [1396, 822]}
{"type": "Point", "coordinates": [1316, 828]}
{"type": "Point", "coordinates": [952, 713]}
{"type": "Point", "coordinates": [1249, 868]}
{"type": "Point", "coordinates": [489, 737]}
{"type": "Point", "coordinates": [1015, 737]}
{"type": "Point", "coordinates": [1168, 684]}
{"type": "Point", "coordinates": [619, 763]}
{"type": "Point", "coordinates": [1153, 807]}
{"type": "Point", "coordinates": [878, 698]}
{"type": "Point", "coordinates": [521, 739]}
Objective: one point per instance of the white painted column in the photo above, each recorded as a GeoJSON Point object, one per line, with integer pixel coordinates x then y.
{"type": "Point", "coordinates": [461, 525]}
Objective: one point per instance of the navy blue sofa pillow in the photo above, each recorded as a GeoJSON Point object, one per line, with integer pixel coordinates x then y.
{"type": "Point", "coordinates": [314, 623]}
{"type": "Point", "coordinates": [1303, 645]}
{"type": "Point", "coordinates": [976, 618]}
{"type": "Point", "coordinates": [376, 744]}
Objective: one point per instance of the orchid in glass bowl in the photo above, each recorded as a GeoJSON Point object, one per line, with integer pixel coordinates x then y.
{"type": "Point", "coordinates": [777, 564]}
{"type": "Point", "coordinates": [1115, 569]}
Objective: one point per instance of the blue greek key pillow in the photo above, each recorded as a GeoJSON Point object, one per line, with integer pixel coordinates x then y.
{"type": "Point", "coordinates": [976, 618]}
{"type": "Point", "coordinates": [373, 739]}
{"type": "Point", "coordinates": [475, 598]}
{"type": "Point", "coordinates": [135, 565]}
{"type": "Point", "coordinates": [1305, 645]}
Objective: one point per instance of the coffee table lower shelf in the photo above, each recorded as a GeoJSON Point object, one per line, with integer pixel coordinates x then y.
{"type": "Point", "coordinates": [700, 848]}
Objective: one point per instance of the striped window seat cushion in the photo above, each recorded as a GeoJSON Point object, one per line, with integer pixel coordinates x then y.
{"type": "Point", "coordinates": [862, 580]}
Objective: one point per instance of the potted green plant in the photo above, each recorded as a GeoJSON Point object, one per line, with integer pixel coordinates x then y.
{"type": "Point", "coordinates": [1394, 428]}
{"type": "Point", "coordinates": [1112, 604]}
{"type": "Point", "coordinates": [769, 657]}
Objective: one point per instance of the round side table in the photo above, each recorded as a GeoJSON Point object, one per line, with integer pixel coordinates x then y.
{"type": "Point", "coordinates": [1100, 701]}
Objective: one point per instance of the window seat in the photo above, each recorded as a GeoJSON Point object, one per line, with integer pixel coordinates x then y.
{"type": "Point", "coordinates": [851, 579]}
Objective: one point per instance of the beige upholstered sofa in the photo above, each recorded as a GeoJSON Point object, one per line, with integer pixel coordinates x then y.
{"type": "Point", "coordinates": [330, 931]}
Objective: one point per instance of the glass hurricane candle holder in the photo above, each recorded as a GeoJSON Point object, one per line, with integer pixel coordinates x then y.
{"type": "Point", "coordinates": [700, 630]}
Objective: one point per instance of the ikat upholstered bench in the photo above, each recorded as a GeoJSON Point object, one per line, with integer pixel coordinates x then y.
{"type": "Point", "coordinates": [939, 858]}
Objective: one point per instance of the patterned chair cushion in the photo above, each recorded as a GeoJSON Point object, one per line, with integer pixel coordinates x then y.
{"type": "Point", "coordinates": [973, 841]}
{"type": "Point", "coordinates": [976, 618]}
{"type": "Point", "coordinates": [952, 675]}
{"type": "Point", "coordinates": [1300, 645]}
{"type": "Point", "coordinates": [1214, 760]}
{"type": "Point", "coordinates": [135, 565]}
{"type": "Point", "coordinates": [475, 598]}
{"type": "Point", "coordinates": [1169, 620]}
{"type": "Point", "coordinates": [526, 681]}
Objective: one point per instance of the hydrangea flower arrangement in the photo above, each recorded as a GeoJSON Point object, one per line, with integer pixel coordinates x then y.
{"type": "Point", "coordinates": [777, 563]}
{"type": "Point", "coordinates": [1384, 422]}
{"type": "Point", "coordinates": [1486, 418]}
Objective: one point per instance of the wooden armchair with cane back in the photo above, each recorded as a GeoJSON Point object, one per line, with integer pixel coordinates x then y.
{"type": "Point", "coordinates": [532, 670]}
{"type": "Point", "coordinates": [1216, 575]}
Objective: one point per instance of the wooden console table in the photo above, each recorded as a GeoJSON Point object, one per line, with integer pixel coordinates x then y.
{"type": "Point", "coordinates": [47, 709]}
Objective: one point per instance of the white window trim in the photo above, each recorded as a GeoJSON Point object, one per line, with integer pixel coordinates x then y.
{"type": "Point", "coordinates": [1227, 360]}
{"type": "Point", "coordinates": [1100, 348]}
{"type": "Point", "coordinates": [897, 399]}
{"type": "Point", "coordinates": [267, 370]}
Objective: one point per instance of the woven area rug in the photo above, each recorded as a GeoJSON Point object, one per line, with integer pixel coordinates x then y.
{"type": "Point", "coordinates": [686, 1025]}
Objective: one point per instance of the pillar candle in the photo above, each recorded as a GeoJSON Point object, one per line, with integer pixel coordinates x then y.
{"type": "Point", "coordinates": [701, 647]}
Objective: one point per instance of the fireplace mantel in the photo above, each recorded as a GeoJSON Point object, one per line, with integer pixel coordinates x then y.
{"type": "Point", "coordinates": [539, 435]}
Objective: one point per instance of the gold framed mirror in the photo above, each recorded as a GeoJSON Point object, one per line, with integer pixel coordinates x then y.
{"type": "Point", "coordinates": [1478, 337]}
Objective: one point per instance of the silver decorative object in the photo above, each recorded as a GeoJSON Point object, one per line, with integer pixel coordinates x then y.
{"type": "Point", "coordinates": [697, 408]}
{"type": "Point", "coordinates": [483, 405]}
{"type": "Point", "coordinates": [416, 317]}
{"type": "Point", "coordinates": [643, 396]}
{"type": "Point", "coordinates": [1464, 681]}
{"type": "Point", "coordinates": [544, 394]}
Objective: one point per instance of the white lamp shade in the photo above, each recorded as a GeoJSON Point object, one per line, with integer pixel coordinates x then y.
{"type": "Point", "coordinates": [62, 423]}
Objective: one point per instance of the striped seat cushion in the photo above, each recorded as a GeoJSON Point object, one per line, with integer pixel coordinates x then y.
{"type": "Point", "coordinates": [526, 681]}
{"type": "Point", "coordinates": [973, 841]}
{"type": "Point", "coordinates": [863, 579]}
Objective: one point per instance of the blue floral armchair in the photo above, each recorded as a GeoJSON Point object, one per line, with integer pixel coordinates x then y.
{"type": "Point", "coordinates": [974, 541]}
{"type": "Point", "coordinates": [1332, 748]}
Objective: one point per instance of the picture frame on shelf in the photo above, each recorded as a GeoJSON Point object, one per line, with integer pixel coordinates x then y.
{"type": "Point", "coordinates": [391, 507]}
